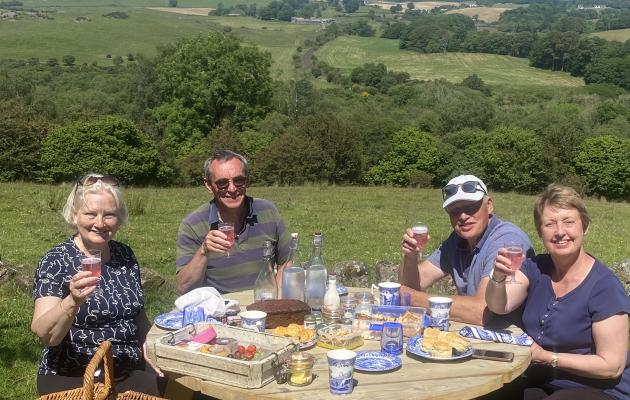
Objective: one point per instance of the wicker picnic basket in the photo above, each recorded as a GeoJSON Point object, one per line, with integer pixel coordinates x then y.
{"type": "Point", "coordinates": [95, 390]}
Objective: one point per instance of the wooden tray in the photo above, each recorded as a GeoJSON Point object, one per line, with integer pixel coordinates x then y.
{"type": "Point", "coordinates": [230, 371]}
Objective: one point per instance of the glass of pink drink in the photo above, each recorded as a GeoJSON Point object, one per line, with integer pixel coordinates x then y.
{"type": "Point", "coordinates": [421, 234]}
{"type": "Point", "coordinates": [228, 229]}
{"type": "Point", "coordinates": [92, 262]}
{"type": "Point", "coordinates": [515, 255]}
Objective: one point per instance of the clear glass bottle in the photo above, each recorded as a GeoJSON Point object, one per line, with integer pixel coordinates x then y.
{"type": "Point", "coordinates": [331, 298]}
{"type": "Point", "coordinates": [316, 274]}
{"type": "Point", "coordinates": [266, 287]}
{"type": "Point", "coordinates": [293, 275]}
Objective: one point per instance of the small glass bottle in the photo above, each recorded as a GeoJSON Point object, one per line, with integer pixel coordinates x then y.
{"type": "Point", "coordinates": [266, 287]}
{"type": "Point", "coordinates": [331, 315]}
{"type": "Point", "coordinates": [310, 322]}
{"type": "Point", "coordinates": [331, 298]}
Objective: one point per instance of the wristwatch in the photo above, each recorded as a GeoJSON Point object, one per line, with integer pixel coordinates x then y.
{"type": "Point", "coordinates": [494, 280]}
{"type": "Point", "coordinates": [554, 360]}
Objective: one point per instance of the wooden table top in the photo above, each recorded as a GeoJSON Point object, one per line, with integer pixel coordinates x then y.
{"type": "Point", "coordinates": [416, 379]}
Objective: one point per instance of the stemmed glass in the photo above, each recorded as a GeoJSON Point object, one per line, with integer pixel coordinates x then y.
{"type": "Point", "coordinates": [91, 262]}
{"type": "Point", "coordinates": [421, 234]}
{"type": "Point", "coordinates": [515, 255]}
{"type": "Point", "coordinates": [228, 229]}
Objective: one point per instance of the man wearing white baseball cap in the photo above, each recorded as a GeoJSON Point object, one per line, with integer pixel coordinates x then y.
{"type": "Point", "coordinates": [467, 255]}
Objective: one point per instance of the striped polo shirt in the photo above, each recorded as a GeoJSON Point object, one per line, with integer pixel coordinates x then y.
{"type": "Point", "coordinates": [240, 270]}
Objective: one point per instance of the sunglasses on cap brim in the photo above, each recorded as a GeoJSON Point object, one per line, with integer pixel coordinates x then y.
{"type": "Point", "coordinates": [450, 190]}
{"type": "Point", "coordinates": [89, 180]}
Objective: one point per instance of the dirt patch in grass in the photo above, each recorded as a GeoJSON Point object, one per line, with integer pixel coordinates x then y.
{"type": "Point", "coordinates": [486, 14]}
{"type": "Point", "coordinates": [185, 11]}
{"type": "Point", "coordinates": [418, 5]}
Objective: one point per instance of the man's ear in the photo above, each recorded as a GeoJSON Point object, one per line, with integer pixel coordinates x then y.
{"type": "Point", "coordinates": [490, 205]}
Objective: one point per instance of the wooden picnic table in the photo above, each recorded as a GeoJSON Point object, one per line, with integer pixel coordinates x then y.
{"type": "Point", "coordinates": [416, 379]}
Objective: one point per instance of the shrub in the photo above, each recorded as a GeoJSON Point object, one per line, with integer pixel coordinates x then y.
{"type": "Point", "coordinates": [604, 164]}
{"type": "Point", "coordinates": [110, 145]}
{"type": "Point", "coordinates": [21, 133]}
{"type": "Point", "coordinates": [411, 160]}
{"type": "Point", "coordinates": [68, 60]}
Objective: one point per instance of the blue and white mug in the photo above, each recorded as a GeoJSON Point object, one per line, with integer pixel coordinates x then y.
{"type": "Point", "coordinates": [389, 293]}
{"type": "Point", "coordinates": [440, 312]}
{"type": "Point", "coordinates": [192, 315]}
{"type": "Point", "coordinates": [253, 320]}
{"type": "Point", "coordinates": [340, 370]}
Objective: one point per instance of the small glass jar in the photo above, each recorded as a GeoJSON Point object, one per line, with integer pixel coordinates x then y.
{"type": "Point", "coordinates": [300, 369]}
{"type": "Point", "coordinates": [331, 315]}
{"type": "Point", "coordinates": [347, 305]}
{"type": "Point", "coordinates": [310, 322]}
{"type": "Point", "coordinates": [364, 298]}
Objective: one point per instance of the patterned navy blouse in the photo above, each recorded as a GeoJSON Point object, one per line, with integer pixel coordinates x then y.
{"type": "Point", "coordinates": [106, 317]}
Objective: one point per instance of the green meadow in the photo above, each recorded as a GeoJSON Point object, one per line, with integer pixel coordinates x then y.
{"type": "Point", "coordinates": [619, 35]}
{"type": "Point", "coordinates": [141, 33]}
{"type": "Point", "coordinates": [359, 223]}
{"type": "Point", "coordinates": [348, 52]}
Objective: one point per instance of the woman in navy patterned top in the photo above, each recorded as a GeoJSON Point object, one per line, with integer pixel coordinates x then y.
{"type": "Point", "coordinates": [71, 317]}
{"type": "Point", "coordinates": [576, 309]}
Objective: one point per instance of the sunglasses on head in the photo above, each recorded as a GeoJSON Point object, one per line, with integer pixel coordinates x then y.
{"type": "Point", "coordinates": [238, 181]}
{"type": "Point", "coordinates": [89, 180]}
{"type": "Point", "coordinates": [449, 191]}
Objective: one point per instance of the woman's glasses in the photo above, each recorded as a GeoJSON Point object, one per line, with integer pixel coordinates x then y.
{"type": "Point", "coordinates": [467, 187]}
{"type": "Point", "coordinates": [89, 180]}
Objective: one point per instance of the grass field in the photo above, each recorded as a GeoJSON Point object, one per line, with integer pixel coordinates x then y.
{"type": "Point", "coordinates": [347, 52]}
{"type": "Point", "coordinates": [358, 223]}
{"type": "Point", "coordinates": [142, 32]}
{"type": "Point", "coordinates": [620, 35]}
{"type": "Point", "coordinates": [486, 14]}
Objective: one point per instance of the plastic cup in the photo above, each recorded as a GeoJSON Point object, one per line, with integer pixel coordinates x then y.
{"type": "Point", "coordinates": [392, 338]}
{"type": "Point", "coordinates": [389, 293]}
{"type": "Point", "coordinates": [440, 312]}
{"type": "Point", "coordinates": [253, 320]}
{"type": "Point", "coordinates": [340, 370]}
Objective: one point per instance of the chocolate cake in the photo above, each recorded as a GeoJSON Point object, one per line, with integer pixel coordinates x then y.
{"type": "Point", "coordinates": [281, 312]}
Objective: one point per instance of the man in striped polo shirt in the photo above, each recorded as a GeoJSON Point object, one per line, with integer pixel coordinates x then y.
{"type": "Point", "coordinates": [204, 255]}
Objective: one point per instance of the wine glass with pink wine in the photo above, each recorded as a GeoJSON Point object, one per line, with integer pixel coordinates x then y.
{"type": "Point", "coordinates": [228, 229]}
{"type": "Point", "coordinates": [515, 255]}
{"type": "Point", "coordinates": [91, 262]}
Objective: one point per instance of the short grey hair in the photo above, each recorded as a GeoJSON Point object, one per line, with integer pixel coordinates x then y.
{"type": "Point", "coordinates": [76, 200]}
{"type": "Point", "coordinates": [223, 155]}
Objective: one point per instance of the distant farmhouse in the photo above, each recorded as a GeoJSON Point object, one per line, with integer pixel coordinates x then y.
{"type": "Point", "coordinates": [470, 4]}
{"type": "Point", "coordinates": [312, 21]}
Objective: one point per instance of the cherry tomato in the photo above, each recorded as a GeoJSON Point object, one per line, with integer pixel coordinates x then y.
{"type": "Point", "coordinates": [251, 348]}
{"type": "Point", "coordinates": [242, 349]}
{"type": "Point", "coordinates": [249, 355]}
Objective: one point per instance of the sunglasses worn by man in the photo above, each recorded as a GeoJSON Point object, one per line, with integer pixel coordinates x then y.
{"type": "Point", "coordinates": [238, 181]}
{"type": "Point", "coordinates": [450, 190]}
{"type": "Point", "coordinates": [89, 180]}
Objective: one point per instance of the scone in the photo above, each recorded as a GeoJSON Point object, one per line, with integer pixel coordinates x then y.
{"type": "Point", "coordinates": [457, 342]}
{"type": "Point", "coordinates": [442, 349]}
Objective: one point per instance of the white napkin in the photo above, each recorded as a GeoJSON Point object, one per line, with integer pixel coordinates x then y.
{"type": "Point", "coordinates": [207, 297]}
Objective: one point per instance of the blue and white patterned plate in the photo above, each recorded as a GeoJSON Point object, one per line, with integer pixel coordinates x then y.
{"type": "Point", "coordinates": [309, 344]}
{"type": "Point", "coordinates": [414, 347]}
{"type": "Point", "coordinates": [173, 320]}
{"type": "Point", "coordinates": [342, 290]}
{"type": "Point", "coordinates": [374, 361]}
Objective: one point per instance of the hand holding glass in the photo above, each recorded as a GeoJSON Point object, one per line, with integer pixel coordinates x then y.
{"type": "Point", "coordinates": [515, 255]}
{"type": "Point", "coordinates": [91, 262]}
{"type": "Point", "coordinates": [228, 229]}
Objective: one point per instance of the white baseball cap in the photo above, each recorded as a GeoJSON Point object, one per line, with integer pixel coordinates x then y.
{"type": "Point", "coordinates": [463, 187]}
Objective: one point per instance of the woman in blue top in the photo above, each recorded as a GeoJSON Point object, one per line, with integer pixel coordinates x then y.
{"type": "Point", "coordinates": [576, 309]}
{"type": "Point", "coordinates": [71, 317]}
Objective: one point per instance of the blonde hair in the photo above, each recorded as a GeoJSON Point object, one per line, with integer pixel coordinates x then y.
{"type": "Point", "coordinates": [562, 197]}
{"type": "Point", "coordinates": [76, 199]}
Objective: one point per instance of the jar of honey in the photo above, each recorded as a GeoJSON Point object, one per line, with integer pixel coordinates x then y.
{"type": "Point", "coordinates": [301, 369]}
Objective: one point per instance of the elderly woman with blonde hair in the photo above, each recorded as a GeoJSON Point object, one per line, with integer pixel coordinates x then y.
{"type": "Point", "coordinates": [575, 308]}
{"type": "Point", "coordinates": [75, 311]}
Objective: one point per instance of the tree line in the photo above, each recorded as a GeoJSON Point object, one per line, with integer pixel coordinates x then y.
{"type": "Point", "coordinates": [155, 121]}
